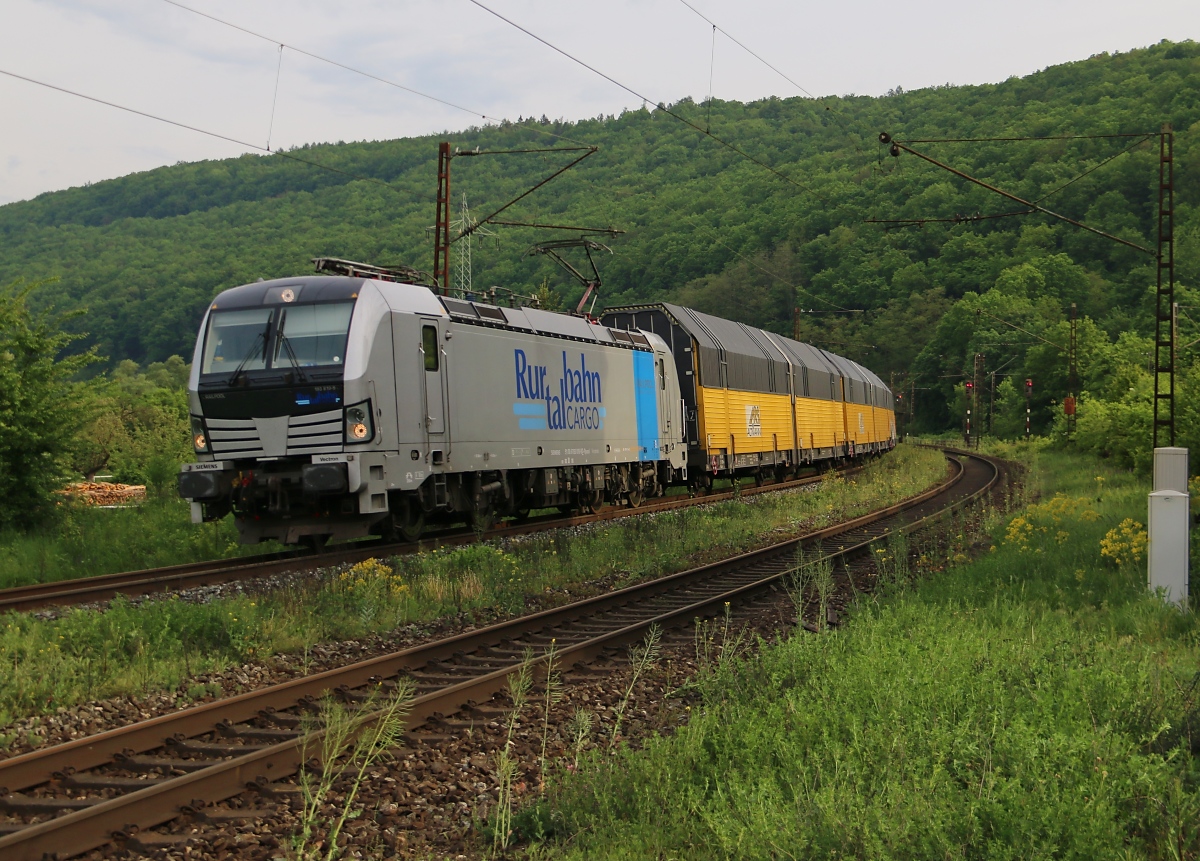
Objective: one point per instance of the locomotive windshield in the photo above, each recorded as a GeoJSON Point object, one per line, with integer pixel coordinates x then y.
{"type": "Point", "coordinates": [237, 339]}
{"type": "Point", "coordinates": [312, 334]}
{"type": "Point", "coordinates": [282, 337]}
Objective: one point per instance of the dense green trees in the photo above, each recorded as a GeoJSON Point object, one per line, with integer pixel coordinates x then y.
{"type": "Point", "coordinates": [139, 432]}
{"type": "Point", "coordinates": [144, 254]}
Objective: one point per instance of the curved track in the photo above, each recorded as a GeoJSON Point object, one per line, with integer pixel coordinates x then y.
{"type": "Point", "coordinates": [84, 590]}
{"type": "Point", "coordinates": [73, 797]}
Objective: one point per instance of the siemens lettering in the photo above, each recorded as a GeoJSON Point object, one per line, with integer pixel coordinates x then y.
{"type": "Point", "coordinates": [572, 402]}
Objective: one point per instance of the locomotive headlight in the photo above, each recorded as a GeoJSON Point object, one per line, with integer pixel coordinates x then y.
{"type": "Point", "coordinates": [199, 435]}
{"type": "Point", "coordinates": [359, 425]}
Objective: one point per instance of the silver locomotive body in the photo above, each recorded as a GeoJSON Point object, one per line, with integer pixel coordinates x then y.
{"type": "Point", "coordinates": [334, 407]}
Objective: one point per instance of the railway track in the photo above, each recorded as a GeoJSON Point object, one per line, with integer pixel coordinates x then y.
{"type": "Point", "coordinates": [86, 590]}
{"type": "Point", "coordinates": [70, 798]}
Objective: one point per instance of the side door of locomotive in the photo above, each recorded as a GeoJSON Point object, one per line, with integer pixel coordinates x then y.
{"type": "Point", "coordinates": [434, 388]}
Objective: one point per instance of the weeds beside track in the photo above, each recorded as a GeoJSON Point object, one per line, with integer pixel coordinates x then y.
{"type": "Point", "coordinates": [446, 674]}
{"type": "Point", "coordinates": [165, 644]}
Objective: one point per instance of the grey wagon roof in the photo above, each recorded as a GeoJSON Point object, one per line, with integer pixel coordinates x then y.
{"type": "Point", "coordinates": [743, 357]}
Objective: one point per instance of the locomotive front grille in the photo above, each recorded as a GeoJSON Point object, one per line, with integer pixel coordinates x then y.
{"type": "Point", "coordinates": [316, 432]}
{"type": "Point", "coordinates": [277, 436]}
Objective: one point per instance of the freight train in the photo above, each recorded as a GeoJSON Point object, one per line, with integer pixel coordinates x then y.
{"type": "Point", "coordinates": [333, 407]}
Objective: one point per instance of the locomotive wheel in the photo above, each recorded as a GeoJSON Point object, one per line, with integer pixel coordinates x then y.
{"type": "Point", "coordinates": [635, 498]}
{"type": "Point", "coordinates": [591, 501]}
{"type": "Point", "coordinates": [407, 521]}
{"type": "Point", "coordinates": [410, 521]}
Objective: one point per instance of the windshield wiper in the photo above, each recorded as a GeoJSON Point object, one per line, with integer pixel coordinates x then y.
{"type": "Point", "coordinates": [262, 337]}
{"type": "Point", "coordinates": [286, 343]}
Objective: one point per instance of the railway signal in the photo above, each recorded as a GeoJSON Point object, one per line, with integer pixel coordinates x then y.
{"type": "Point", "coordinates": [1028, 400]}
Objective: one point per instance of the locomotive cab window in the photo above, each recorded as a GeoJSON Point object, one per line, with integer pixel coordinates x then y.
{"type": "Point", "coordinates": [312, 335]}
{"type": "Point", "coordinates": [237, 338]}
{"type": "Point", "coordinates": [429, 345]}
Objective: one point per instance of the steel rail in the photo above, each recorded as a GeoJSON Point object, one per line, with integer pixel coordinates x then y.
{"type": "Point", "coordinates": [172, 578]}
{"type": "Point", "coordinates": [84, 829]}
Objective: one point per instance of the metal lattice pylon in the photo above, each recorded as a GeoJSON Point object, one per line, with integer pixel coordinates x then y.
{"type": "Point", "coordinates": [463, 267]}
{"type": "Point", "coordinates": [1164, 316]}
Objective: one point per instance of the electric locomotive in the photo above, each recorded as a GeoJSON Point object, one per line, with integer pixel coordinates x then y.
{"type": "Point", "coordinates": [333, 407]}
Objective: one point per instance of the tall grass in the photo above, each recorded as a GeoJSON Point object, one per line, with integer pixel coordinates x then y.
{"type": "Point", "coordinates": [84, 542]}
{"type": "Point", "coordinates": [1034, 702]}
{"type": "Point", "coordinates": [45, 664]}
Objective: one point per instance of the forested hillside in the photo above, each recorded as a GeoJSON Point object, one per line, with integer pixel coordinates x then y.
{"type": "Point", "coordinates": [706, 227]}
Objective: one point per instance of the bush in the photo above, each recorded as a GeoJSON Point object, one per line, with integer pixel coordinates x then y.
{"type": "Point", "coordinates": [40, 407]}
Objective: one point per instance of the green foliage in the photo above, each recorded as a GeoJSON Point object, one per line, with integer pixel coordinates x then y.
{"type": "Point", "coordinates": [82, 541]}
{"type": "Point", "coordinates": [39, 411]}
{"type": "Point", "coordinates": [1034, 703]}
{"type": "Point", "coordinates": [140, 431]}
{"type": "Point", "coordinates": [703, 224]}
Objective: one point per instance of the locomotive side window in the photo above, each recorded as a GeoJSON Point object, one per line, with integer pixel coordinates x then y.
{"type": "Point", "coordinates": [313, 335]}
{"type": "Point", "coordinates": [429, 345]}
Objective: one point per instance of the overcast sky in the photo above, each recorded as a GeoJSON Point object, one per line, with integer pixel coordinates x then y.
{"type": "Point", "coordinates": [158, 58]}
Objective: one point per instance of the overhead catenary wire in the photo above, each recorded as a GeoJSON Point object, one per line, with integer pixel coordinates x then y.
{"type": "Point", "coordinates": [716, 237]}
{"type": "Point", "coordinates": [365, 74]}
{"type": "Point", "coordinates": [1095, 168]}
{"type": "Point", "coordinates": [1024, 138]}
{"type": "Point", "coordinates": [897, 146]}
{"type": "Point", "coordinates": [718, 28]}
{"type": "Point", "coordinates": [661, 106]}
{"type": "Point", "coordinates": [712, 65]}
{"type": "Point", "coordinates": [280, 153]}
{"type": "Point", "coordinates": [275, 98]}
